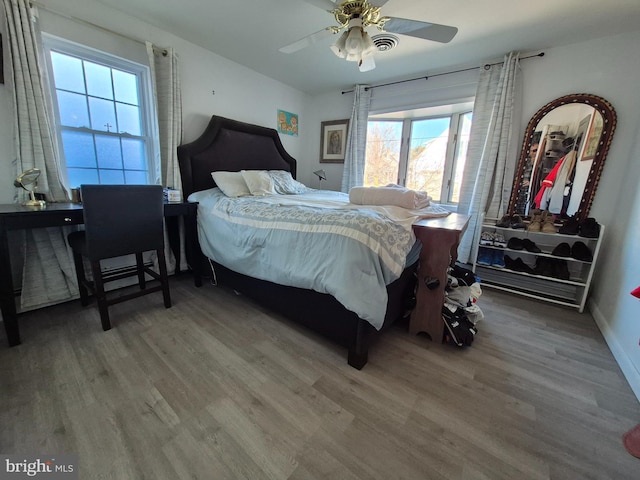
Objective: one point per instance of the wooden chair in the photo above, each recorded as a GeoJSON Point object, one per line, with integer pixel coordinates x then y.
{"type": "Point", "coordinates": [119, 220]}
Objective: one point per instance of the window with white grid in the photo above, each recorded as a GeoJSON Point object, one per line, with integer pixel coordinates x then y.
{"type": "Point", "coordinates": [103, 116]}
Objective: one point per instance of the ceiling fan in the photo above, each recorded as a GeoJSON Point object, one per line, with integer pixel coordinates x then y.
{"type": "Point", "coordinates": [355, 44]}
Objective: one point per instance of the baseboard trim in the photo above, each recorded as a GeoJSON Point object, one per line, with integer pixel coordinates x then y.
{"type": "Point", "coordinates": [629, 370]}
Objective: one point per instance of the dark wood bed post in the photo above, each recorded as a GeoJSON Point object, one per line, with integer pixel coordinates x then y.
{"type": "Point", "coordinates": [359, 351]}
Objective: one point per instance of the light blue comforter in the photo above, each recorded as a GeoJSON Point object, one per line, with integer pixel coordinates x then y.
{"type": "Point", "coordinates": [308, 241]}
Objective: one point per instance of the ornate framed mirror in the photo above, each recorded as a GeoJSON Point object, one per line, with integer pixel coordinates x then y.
{"type": "Point", "coordinates": [563, 153]}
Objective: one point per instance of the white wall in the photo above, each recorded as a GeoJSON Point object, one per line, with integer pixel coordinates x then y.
{"type": "Point", "coordinates": [608, 67]}
{"type": "Point", "coordinates": [321, 108]}
{"type": "Point", "coordinates": [240, 93]}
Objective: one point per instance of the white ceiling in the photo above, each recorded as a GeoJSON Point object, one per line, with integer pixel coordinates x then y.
{"type": "Point", "coordinates": [250, 32]}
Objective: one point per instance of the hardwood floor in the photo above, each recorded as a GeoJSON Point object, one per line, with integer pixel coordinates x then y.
{"type": "Point", "coordinates": [218, 388]}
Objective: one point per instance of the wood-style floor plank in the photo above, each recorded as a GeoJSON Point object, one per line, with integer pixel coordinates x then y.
{"type": "Point", "coordinates": [219, 387]}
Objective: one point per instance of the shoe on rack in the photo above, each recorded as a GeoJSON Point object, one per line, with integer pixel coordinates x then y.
{"type": "Point", "coordinates": [543, 267]}
{"type": "Point", "coordinates": [515, 243]}
{"type": "Point", "coordinates": [589, 228]}
{"type": "Point", "coordinates": [529, 246]}
{"type": "Point", "coordinates": [536, 222]}
{"type": "Point", "coordinates": [504, 222]}
{"type": "Point", "coordinates": [520, 266]}
{"type": "Point", "coordinates": [517, 222]}
{"type": "Point", "coordinates": [498, 240]}
{"type": "Point", "coordinates": [547, 224]}
{"type": "Point", "coordinates": [562, 250]}
{"type": "Point", "coordinates": [486, 238]}
{"type": "Point", "coordinates": [485, 256]}
{"type": "Point", "coordinates": [570, 226]}
{"type": "Point", "coordinates": [509, 262]}
{"type": "Point", "coordinates": [580, 251]}
{"type": "Point", "coordinates": [498, 259]}
{"type": "Point", "coordinates": [559, 269]}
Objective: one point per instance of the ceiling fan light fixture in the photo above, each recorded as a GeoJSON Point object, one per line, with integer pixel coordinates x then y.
{"type": "Point", "coordinates": [369, 48]}
{"type": "Point", "coordinates": [354, 45]}
{"type": "Point", "coordinates": [339, 48]}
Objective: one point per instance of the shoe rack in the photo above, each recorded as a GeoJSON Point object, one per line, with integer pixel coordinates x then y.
{"type": "Point", "coordinates": [548, 279]}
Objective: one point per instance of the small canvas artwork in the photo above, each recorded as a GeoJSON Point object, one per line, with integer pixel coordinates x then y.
{"type": "Point", "coordinates": [287, 123]}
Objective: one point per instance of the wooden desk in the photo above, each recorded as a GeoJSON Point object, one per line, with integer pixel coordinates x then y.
{"type": "Point", "coordinates": [440, 238]}
{"type": "Point", "coordinates": [19, 217]}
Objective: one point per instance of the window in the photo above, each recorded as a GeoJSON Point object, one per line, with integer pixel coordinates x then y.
{"type": "Point", "coordinates": [103, 116]}
{"type": "Point", "coordinates": [418, 150]}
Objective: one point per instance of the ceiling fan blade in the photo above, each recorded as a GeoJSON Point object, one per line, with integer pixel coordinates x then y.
{"type": "Point", "coordinates": [331, 4]}
{"type": "Point", "coordinates": [427, 31]}
{"type": "Point", "coordinates": [367, 64]}
{"type": "Point", "coordinates": [323, 4]}
{"type": "Point", "coordinates": [306, 41]}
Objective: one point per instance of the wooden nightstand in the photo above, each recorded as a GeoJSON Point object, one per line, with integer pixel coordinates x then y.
{"type": "Point", "coordinates": [440, 238]}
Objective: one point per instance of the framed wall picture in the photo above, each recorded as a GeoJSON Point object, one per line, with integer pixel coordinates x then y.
{"type": "Point", "coordinates": [287, 123]}
{"type": "Point", "coordinates": [333, 141]}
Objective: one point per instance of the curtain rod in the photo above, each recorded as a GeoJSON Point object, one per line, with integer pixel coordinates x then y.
{"type": "Point", "coordinates": [161, 50]}
{"type": "Point", "coordinates": [486, 67]}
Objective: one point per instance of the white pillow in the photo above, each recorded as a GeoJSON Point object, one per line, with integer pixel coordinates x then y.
{"type": "Point", "coordinates": [259, 182]}
{"type": "Point", "coordinates": [284, 183]}
{"type": "Point", "coordinates": [231, 183]}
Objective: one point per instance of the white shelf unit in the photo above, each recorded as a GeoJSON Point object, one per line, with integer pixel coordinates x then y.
{"type": "Point", "coordinates": [571, 293]}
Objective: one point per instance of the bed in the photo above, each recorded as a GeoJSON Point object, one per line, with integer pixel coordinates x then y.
{"type": "Point", "coordinates": [230, 145]}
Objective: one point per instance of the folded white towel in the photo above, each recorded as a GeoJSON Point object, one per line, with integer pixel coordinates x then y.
{"type": "Point", "coordinates": [396, 195]}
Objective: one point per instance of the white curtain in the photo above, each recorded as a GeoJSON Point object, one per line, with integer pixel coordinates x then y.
{"type": "Point", "coordinates": [491, 156]}
{"type": "Point", "coordinates": [167, 92]}
{"type": "Point", "coordinates": [48, 275]}
{"type": "Point", "coordinates": [166, 80]}
{"type": "Point", "coordinates": [353, 173]}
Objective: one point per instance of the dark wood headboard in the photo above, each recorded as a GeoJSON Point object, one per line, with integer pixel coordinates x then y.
{"type": "Point", "coordinates": [229, 145]}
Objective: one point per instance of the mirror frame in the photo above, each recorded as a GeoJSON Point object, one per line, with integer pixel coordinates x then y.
{"type": "Point", "coordinates": [609, 125]}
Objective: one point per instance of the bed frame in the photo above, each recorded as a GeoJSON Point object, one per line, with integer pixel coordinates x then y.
{"type": "Point", "coordinates": [230, 145]}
